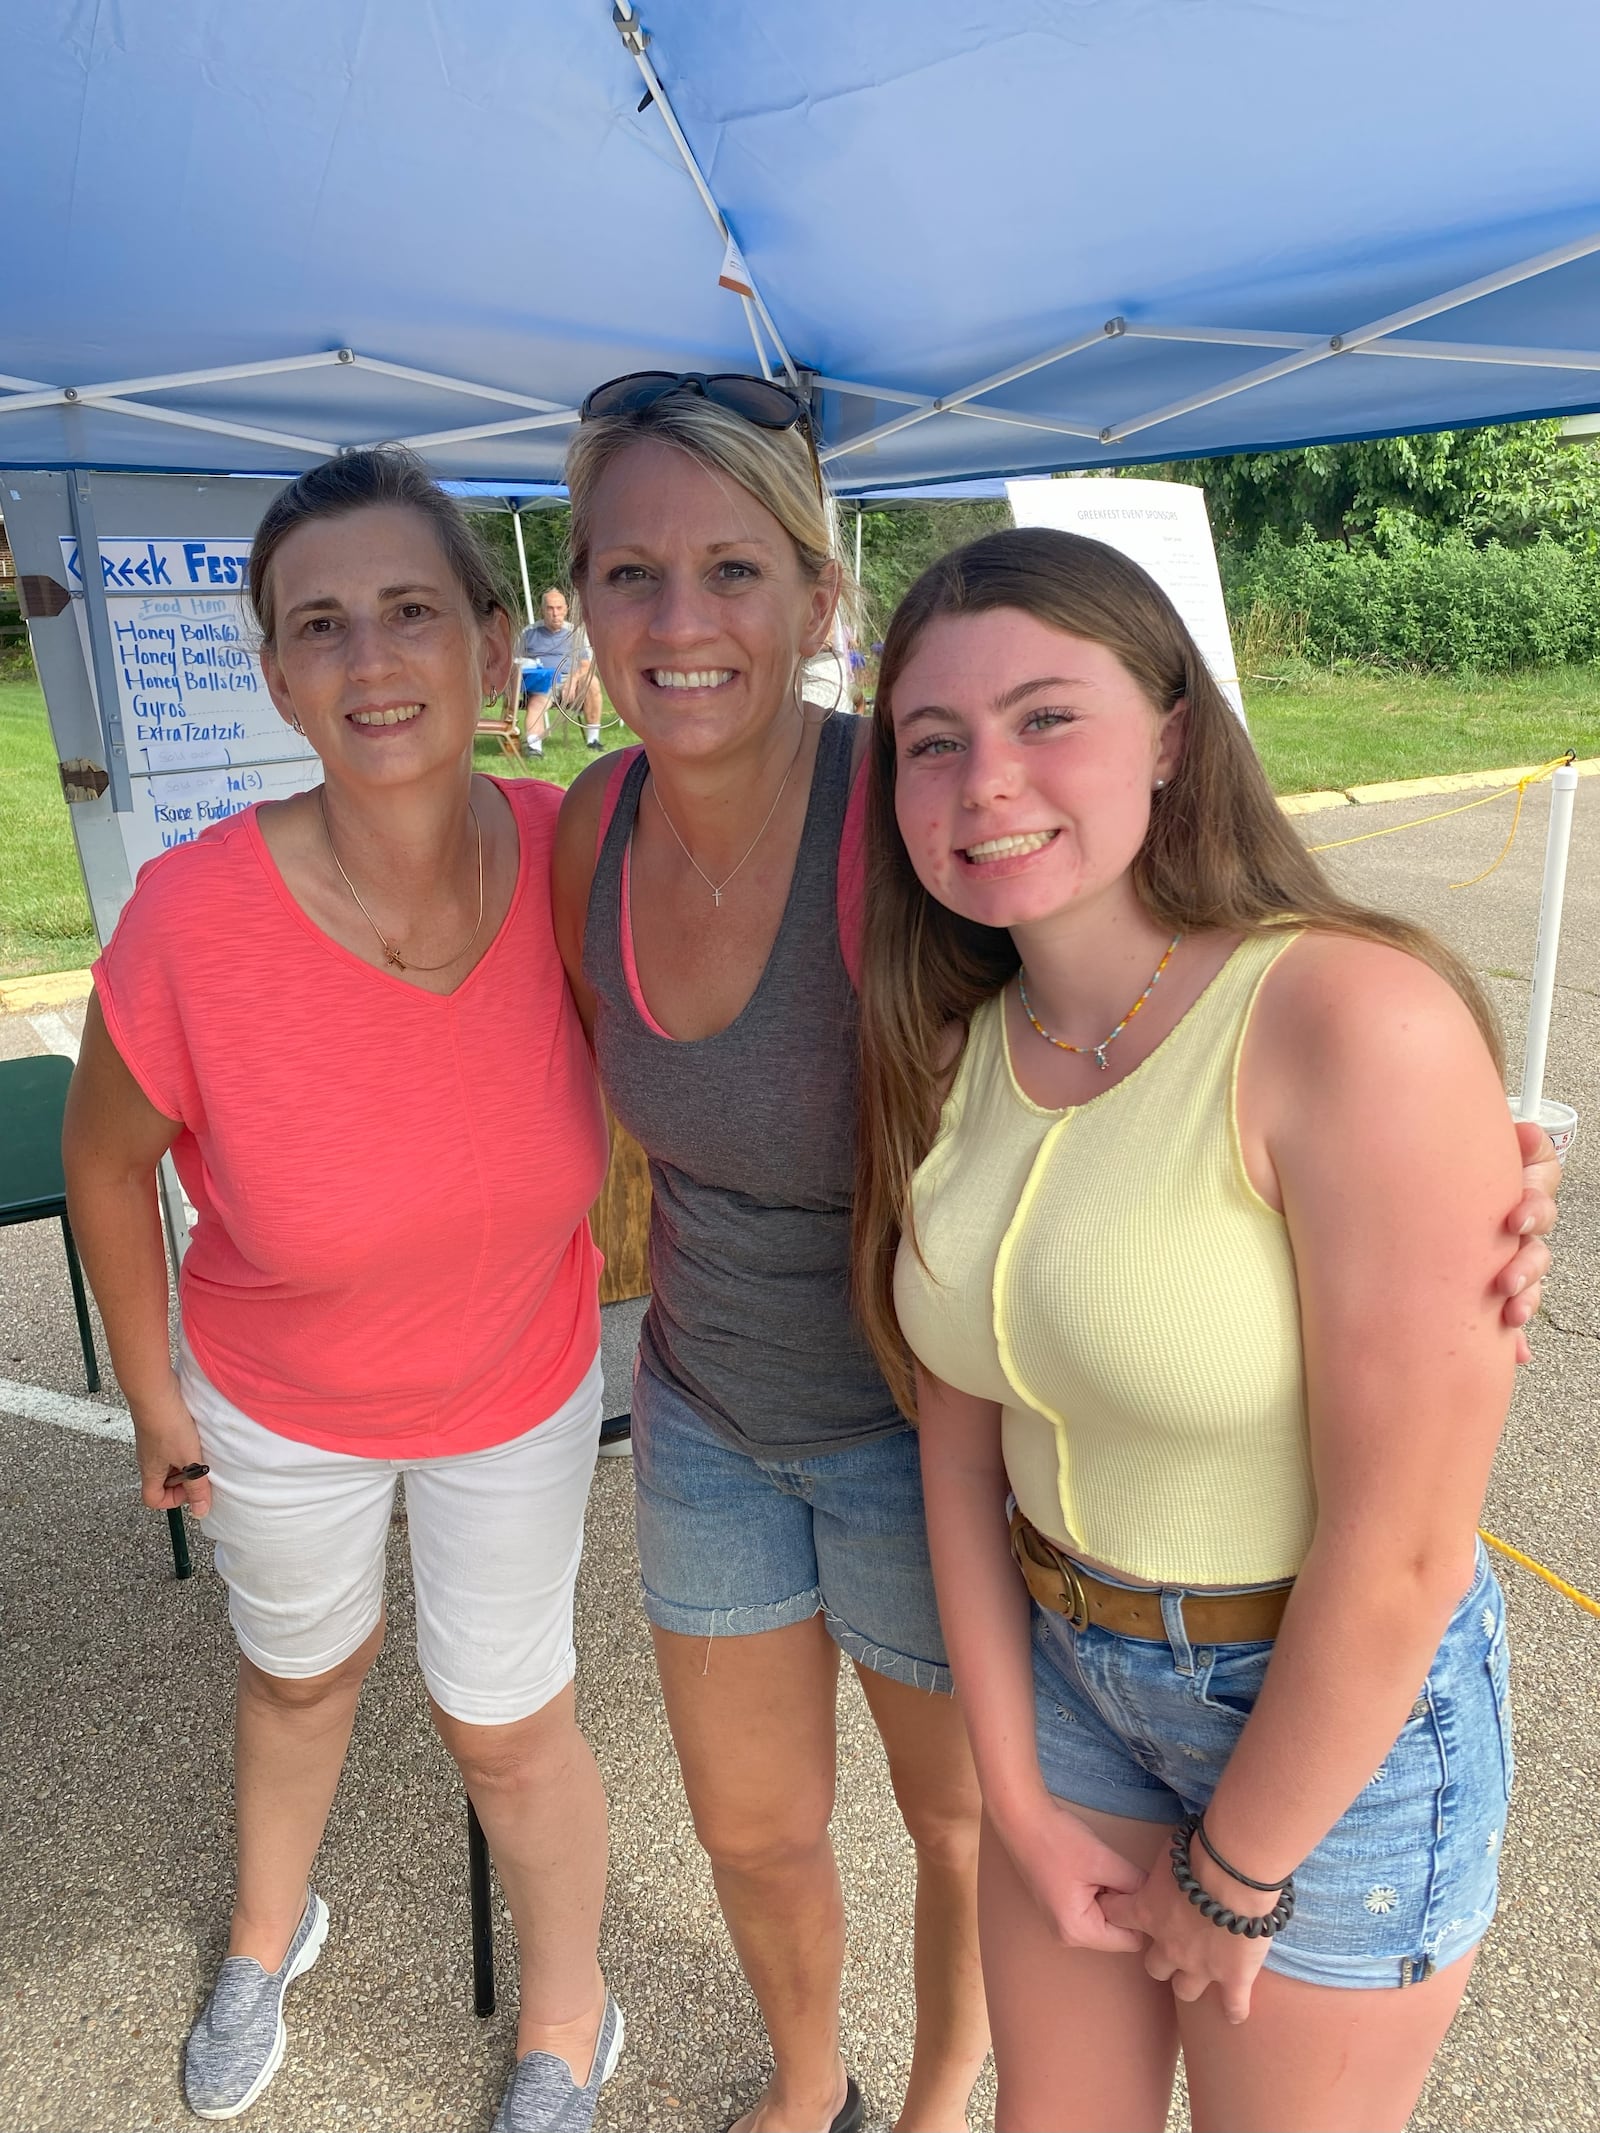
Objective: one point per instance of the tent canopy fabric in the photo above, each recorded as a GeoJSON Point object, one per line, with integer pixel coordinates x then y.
{"type": "Point", "coordinates": [1006, 238]}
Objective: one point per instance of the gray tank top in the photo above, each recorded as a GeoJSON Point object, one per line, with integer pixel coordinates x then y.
{"type": "Point", "coordinates": [751, 1139]}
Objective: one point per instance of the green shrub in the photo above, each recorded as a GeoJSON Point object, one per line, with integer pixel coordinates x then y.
{"type": "Point", "coordinates": [1445, 607]}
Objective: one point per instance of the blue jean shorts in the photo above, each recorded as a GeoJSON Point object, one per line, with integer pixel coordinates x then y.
{"type": "Point", "coordinates": [1406, 1880]}
{"type": "Point", "coordinates": [731, 1545]}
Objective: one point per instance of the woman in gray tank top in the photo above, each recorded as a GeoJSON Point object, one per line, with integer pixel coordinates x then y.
{"type": "Point", "coordinates": [698, 898]}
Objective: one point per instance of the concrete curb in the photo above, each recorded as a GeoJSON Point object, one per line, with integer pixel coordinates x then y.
{"type": "Point", "coordinates": [1314, 803]}
{"type": "Point", "coordinates": [56, 988]}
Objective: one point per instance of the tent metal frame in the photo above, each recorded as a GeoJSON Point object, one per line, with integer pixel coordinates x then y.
{"type": "Point", "coordinates": [124, 396]}
{"type": "Point", "coordinates": [1298, 351]}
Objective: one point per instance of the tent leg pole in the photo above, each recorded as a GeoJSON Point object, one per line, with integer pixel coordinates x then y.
{"type": "Point", "coordinates": [522, 559]}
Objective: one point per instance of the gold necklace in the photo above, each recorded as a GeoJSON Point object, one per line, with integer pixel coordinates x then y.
{"type": "Point", "coordinates": [717, 887]}
{"type": "Point", "coordinates": [390, 955]}
{"type": "Point", "coordinates": [1099, 1050]}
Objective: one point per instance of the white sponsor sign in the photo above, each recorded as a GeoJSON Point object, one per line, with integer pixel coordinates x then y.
{"type": "Point", "coordinates": [1163, 527]}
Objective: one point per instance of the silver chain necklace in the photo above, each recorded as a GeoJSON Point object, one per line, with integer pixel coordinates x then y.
{"type": "Point", "coordinates": [717, 887]}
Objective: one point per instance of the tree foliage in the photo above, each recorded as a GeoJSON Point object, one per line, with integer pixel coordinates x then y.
{"type": "Point", "coordinates": [544, 535]}
{"type": "Point", "coordinates": [1513, 483]}
{"type": "Point", "coordinates": [897, 546]}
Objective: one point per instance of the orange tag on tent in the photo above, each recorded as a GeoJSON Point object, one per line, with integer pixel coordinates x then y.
{"type": "Point", "coordinates": [735, 274]}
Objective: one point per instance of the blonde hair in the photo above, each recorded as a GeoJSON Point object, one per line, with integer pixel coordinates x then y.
{"type": "Point", "coordinates": [774, 466]}
{"type": "Point", "coordinates": [1218, 854]}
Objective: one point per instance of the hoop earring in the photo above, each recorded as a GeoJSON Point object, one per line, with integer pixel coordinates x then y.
{"type": "Point", "coordinates": [296, 724]}
{"type": "Point", "coordinates": [841, 691]}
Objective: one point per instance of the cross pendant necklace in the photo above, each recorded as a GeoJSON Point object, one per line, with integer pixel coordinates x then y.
{"type": "Point", "coordinates": [717, 887]}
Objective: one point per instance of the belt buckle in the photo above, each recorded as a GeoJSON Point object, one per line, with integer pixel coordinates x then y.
{"type": "Point", "coordinates": [1077, 1609]}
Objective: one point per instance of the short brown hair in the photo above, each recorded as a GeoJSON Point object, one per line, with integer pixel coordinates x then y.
{"type": "Point", "coordinates": [356, 481]}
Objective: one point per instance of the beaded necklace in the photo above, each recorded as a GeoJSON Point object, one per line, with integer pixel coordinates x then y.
{"type": "Point", "coordinates": [1099, 1050]}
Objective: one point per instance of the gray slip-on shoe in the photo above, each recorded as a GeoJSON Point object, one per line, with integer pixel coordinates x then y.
{"type": "Point", "coordinates": [237, 2045]}
{"type": "Point", "coordinates": [544, 2098]}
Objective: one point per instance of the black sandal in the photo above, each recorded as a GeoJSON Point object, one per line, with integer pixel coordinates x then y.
{"type": "Point", "coordinates": [852, 2113]}
{"type": "Point", "coordinates": [850, 2117]}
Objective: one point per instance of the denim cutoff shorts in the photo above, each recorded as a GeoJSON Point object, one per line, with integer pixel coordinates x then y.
{"type": "Point", "coordinates": [1406, 1880]}
{"type": "Point", "coordinates": [730, 1545]}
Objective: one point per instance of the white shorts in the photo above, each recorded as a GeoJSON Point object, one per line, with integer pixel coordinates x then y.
{"type": "Point", "coordinates": [300, 1533]}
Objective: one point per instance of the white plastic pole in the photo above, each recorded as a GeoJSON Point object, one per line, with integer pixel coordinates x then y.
{"type": "Point", "coordinates": [522, 558]}
{"type": "Point", "coordinates": [858, 544]}
{"type": "Point", "coordinates": [1564, 788]}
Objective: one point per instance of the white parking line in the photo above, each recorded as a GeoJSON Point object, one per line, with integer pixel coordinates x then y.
{"type": "Point", "coordinates": [55, 1032]}
{"type": "Point", "coordinates": [37, 1403]}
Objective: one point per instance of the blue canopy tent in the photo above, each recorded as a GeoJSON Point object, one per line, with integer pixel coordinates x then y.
{"type": "Point", "coordinates": [1002, 239]}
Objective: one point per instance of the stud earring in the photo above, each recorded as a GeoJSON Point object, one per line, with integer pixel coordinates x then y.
{"type": "Point", "coordinates": [1159, 783]}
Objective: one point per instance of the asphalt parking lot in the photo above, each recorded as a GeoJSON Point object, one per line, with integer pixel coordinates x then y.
{"type": "Point", "coordinates": [114, 1807]}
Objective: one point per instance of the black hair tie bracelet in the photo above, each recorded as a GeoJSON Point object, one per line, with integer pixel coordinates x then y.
{"type": "Point", "coordinates": [1217, 1913]}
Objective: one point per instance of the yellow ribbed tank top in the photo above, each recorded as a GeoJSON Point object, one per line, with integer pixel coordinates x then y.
{"type": "Point", "coordinates": [1109, 1275]}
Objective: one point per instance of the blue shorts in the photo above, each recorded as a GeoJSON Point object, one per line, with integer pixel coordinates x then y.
{"type": "Point", "coordinates": [539, 681]}
{"type": "Point", "coordinates": [1405, 1881]}
{"type": "Point", "coordinates": [731, 1545]}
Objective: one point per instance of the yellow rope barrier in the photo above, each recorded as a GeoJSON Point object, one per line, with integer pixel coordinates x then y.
{"type": "Point", "coordinates": [1521, 786]}
{"type": "Point", "coordinates": [1571, 1592]}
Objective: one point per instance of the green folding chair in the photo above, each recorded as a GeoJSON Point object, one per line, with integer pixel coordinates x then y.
{"type": "Point", "coordinates": [33, 1188]}
{"type": "Point", "coordinates": [33, 1095]}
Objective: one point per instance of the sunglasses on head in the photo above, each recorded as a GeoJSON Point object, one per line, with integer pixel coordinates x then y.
{"type": "Point", "coordinates": [769, 406]}
{"type": "Point", "coordinates": [757, 400]}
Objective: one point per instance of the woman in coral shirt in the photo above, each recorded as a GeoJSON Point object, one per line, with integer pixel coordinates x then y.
{"type": "Point", "coordinates": [317, 1007]}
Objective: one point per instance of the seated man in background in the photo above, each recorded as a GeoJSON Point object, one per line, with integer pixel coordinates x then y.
{"type": "Point", "coordinates": [556, 659]}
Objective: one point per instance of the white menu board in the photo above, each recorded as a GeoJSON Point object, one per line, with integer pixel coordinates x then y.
{"type": "Point", "coordinates": [203, 737]}
{"type": "Point", "coordinates": [1163, 527]}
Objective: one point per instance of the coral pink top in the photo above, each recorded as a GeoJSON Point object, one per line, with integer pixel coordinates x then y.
{"type": "Point", "coordinates": [392, 1256]}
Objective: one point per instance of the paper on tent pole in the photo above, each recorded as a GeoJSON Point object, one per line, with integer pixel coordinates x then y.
{"type": "Point", "coordinates": [1163, 527]}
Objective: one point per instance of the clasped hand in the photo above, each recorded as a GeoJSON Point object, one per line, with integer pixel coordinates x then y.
{"type": "Point", "coordinates": [1183, 1948]}
{"type": "Point", "coordinates": [1097, 1899]}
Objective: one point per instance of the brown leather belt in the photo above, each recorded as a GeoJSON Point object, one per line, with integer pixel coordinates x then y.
{"type": "Point", "coordinates": [1066, 1588]}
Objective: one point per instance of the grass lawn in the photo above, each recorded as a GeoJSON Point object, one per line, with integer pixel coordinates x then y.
{"type": "Point", "coordinates": [44, 913]}
{"type": "Point", "coordinates": [1315, 730]}
{"type": "Point", "coordinates": [1319, 731]}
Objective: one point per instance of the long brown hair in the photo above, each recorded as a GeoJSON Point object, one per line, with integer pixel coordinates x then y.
{"type": "Point", "coordinates": [1218, 855]}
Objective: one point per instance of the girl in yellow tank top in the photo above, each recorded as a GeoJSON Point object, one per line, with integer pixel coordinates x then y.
{"type": "Point", "coordinates": [1199, 1268]}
